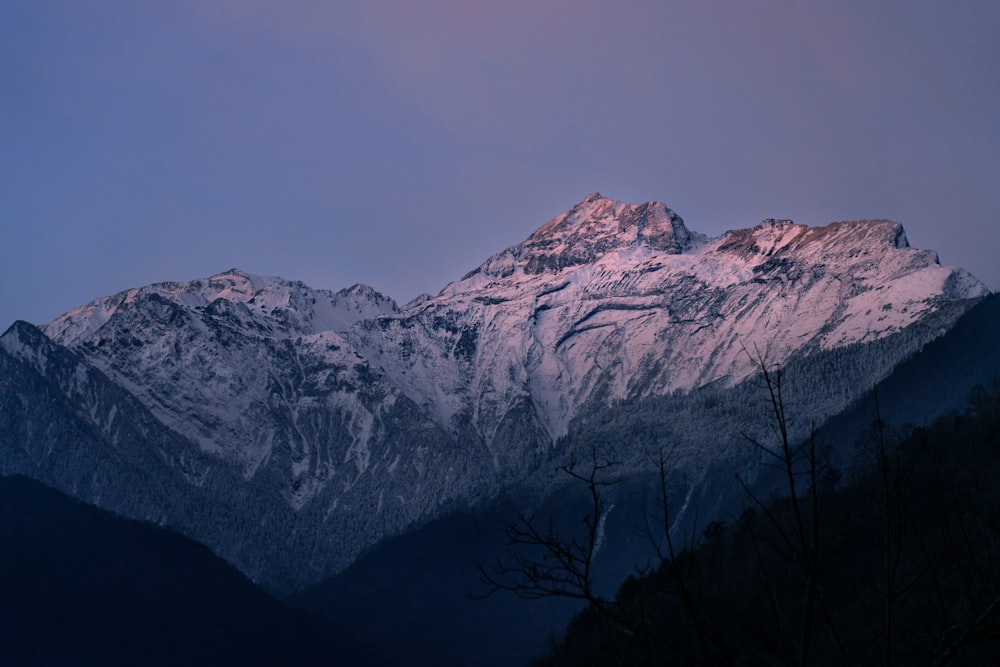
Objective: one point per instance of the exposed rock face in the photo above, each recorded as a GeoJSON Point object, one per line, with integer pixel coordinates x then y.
{"type": "Point", "coordinates": [329, 420]}
{"type": "Point", "coordinates": [597, 226]}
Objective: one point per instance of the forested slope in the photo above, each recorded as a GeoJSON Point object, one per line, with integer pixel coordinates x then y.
{"type": "Point", "coordinates": [895, 563]}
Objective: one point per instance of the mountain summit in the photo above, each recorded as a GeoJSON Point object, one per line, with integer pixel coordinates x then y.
{"type": "Point", "coordinates": [276, 307]}
{"type": "Point", "coordinates": [598, 225]}
{"type": "Point", "coordinates": [610, 301]}
{"type": "Point", "coordinates": [328, 421]}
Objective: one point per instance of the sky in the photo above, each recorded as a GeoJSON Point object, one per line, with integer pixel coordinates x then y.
{"type": "Point", "coordinates": [399, 143]}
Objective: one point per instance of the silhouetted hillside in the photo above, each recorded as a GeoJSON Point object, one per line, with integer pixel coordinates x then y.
{"type": "Point", "coordinates": [415, 590]}
{"type": "Point", "coordinates": [897, 566]}
{"type": "Point", "coordinates": [934, 381]}
{"type": "Point", "coordinates": [79, 586]}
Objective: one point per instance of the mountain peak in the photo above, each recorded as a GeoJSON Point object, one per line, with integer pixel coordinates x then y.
{"type": "Point", "coordinates": [594, 227]}
{"type": "Point", "coordinates": [843, 239]}
{"type": "Point", "coordinates": [597, 224]}
{"type": "Point", "coordinates": [21, 329]}
{"type": "Point", "coordinates": [353, 420]}
{"type": "Point", "coordinates": [237, 284]}
{"type": "Point", "coordinates": [22, 335]}
{"type": "Point", "coordinates": [265, 304]}
{"type": "Point", "coordinates": [239, 273]}
{"type": "Point", "coordinates": [362, 290]}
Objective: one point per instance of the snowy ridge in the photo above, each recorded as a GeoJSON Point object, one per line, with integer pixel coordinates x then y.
{"type": "Point", "coordinates": [214, 358]}
{"type": "Point", "coordinates": [360, 418]}
{"type": "Point", "coordinates": [606, 301]}
{"type": "Point", "coordinates": [277, 307]}
{"type": "Point", "coordinates": [613, 300]}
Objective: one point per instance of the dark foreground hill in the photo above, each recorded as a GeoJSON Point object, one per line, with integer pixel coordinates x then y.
{"type": "Point", "coordinates": [896, 567]}
{"type": "Point", "coordinates": [933, 382]}
{"type": "Point", "coordinates": [79, 586]}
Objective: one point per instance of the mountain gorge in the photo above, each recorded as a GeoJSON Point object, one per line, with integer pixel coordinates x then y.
{"type": "Point", "coordinates": [292, 429]}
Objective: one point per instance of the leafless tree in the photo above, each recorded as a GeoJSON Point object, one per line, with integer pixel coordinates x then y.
{"type": "Point", "coordinates": [800, 541]}
{"type": "Point", "coordinates": [546, 562]}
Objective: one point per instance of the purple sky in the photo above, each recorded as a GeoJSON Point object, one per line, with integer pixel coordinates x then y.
{"type": "Point", "coordinates": [401, 143]}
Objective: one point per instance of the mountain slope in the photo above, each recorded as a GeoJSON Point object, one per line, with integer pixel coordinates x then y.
{"type": "Point", "coordinates": [66, 424]}
{"type": "Point", "coordinates": [612, 301]}
{"type": "Point", "coordinates": [903, 562]}
{"type": "Point", "coordinates": [326, 422]}
{"type": "Point", "coordinates": [81, 586]}
{"type": "Point", "coordinates": [418, 585]}
{"type": "Point", "coordinates": [933, 382]}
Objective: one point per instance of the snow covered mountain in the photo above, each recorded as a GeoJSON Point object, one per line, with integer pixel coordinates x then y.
{"type": "Point", "coordinates": [612, 300]}
{"type": "Point", "coordinates": [214, 359]}
{"type": "Point", "coordinates": [357, 418]}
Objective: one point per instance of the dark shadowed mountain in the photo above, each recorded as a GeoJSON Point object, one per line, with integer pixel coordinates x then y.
{"type": "Point", "coordinates": [933, 382]}
{"type": "Point", "coordinates": [79, 586]}
{"type": "Point", "coordinates": [423, 588]}
{"type": "Point", "coordinates": [895, 565]}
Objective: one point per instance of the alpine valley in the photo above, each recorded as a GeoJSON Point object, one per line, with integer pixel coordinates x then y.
{"type": "Point", "coordinates": [294, 430]}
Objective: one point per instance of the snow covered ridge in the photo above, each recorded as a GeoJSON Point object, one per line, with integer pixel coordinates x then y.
{"type": "Point", "coordinates": [612, 300]}
{"type": "Point", "coordinates": [277, 307]}
{"type": "Point", "coordinates": [606, 301]}
{"type": "Point", "coordinates": [360, 418]}
{"type": "Point", "coordinates": [593, 228]}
